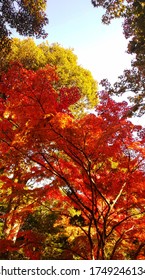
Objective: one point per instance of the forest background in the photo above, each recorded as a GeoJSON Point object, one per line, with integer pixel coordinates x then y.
{"type": "Point", "coordinates": [72, 182]}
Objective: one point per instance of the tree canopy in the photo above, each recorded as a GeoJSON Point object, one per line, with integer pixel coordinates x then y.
{"type": "Point", "coordinates": [72, 186]}
{"type": "Point", "coordinates": [70, 74]}
{"type": "Point", "coordinates": [133, 13]}
{"type": "Point", "coordinates": [91, 171]}
{"type": "Point", "coordinates": [26, 16]}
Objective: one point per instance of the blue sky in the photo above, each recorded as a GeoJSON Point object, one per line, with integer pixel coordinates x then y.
{"type": "Point", "coordinates": [100, 48]}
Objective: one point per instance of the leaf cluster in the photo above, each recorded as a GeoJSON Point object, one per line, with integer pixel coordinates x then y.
{"type": "Point", "coordinates": [132, 81]}
{"type": "Point", "coordinates": [26, 16]}
{"type": "Point", "coordinates": [70, 74]}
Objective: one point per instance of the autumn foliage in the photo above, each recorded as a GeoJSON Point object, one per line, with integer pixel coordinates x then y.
{"type": "Point", "coordinates": [75, 184]}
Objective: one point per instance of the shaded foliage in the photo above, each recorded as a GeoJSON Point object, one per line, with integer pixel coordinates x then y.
{"type": "Point", "coordinates": [26, 16]}
{"type": "Point", "coordinates": [133, 13]}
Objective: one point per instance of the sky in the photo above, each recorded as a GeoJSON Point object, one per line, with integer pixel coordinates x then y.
{"type": "Point", "coordinates": [100, 48]}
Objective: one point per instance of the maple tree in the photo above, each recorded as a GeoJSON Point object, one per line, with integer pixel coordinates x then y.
{"type": "Point", "coordinates": [108, 167]}
{"type": "Point", "coordinates": [28, 90]}
{"type": "Point", "coordinates": [90, 170]}
{"type": "Point", "coordinates": [65, 61]}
